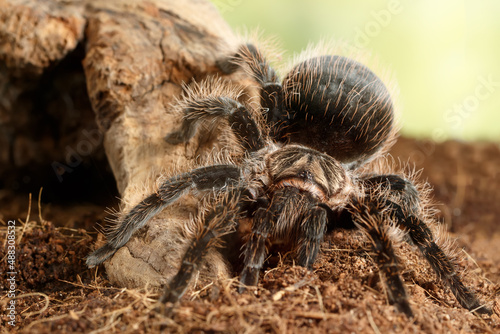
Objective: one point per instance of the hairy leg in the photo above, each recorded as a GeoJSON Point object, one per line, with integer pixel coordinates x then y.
{"type": "Point", "coordinates": [256, 248]}
{"type": "Point", "coordinates": [205, 178]}
{"type": "Point", "coordinates": [290, 215]}
{"type": "Point", "coordinates": [212, 109]}
{"type": "Point", "coordinates": [311, 233]}
{"type": "Point", "coordinates": [368, 216]}
{"type": "Point", "coordinates": [220, 220]}
{"type": "Point", "coordinates": [406, 217]}
{"type": "Point", "coordinates": [271, 90]}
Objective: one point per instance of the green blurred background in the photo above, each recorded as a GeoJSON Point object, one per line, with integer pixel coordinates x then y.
{"type": "Point", "coordinates": [444, 55]}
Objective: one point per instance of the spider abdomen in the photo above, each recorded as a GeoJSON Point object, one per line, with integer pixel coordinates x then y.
{"type": "Point", "coordinates": [338, 106]}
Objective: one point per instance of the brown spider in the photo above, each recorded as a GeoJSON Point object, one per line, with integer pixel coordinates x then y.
{"type": "Point", "coordinates": [300, 176]}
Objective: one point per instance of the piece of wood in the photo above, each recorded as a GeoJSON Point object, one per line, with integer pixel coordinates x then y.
{"type": "Point", "coordinates": [138, 56]}
{"type": "Point", "coordinates": [44, 108]}
{"type": "Point", "coordinates": [37, 34]}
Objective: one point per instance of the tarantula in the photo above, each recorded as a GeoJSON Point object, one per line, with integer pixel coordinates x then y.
{"type": "Point", "coordinates": [301, 175]}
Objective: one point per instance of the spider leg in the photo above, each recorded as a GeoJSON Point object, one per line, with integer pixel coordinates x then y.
{"type": "Point", "coordinates": [311, 232]}
{"type": "Point", "coordinates": [266, 225]}
{"type": "Point", "coordinates": [443, 265]}
{"type": "Point", "coordinates": [255, 248]}
{"type": "Point", "coordinates": [368, 216]}
{"type": "Point", "coordinates": [215, 177]}
{"type": "Point", "coordinates": [407, 218]}
{"type": "Point", "coordinates": [290, 215]}
{"type": "Point", "coordinates": [220, 220]}
{"type": "Point", "coordinates": [271, 90]}
{"type": "Point", "coordinates": [212, 109]}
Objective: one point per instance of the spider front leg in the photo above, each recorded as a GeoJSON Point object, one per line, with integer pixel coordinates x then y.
{"type": "Point", "coordinates": [196, 110]}
{"type": "Point", "coordinates": [405, 213]}
{"type": "Point", "coordinates": [213, 108]}
{"type": "Point", "coordinates": [256, 248]}
{"type": "Point", "coordinates": [292, 216]}
{"type": "Point", "coordinates": [220, 220]}
{"type": "Point", "coordinates": [311, 232]}
{"type": "Point", "coordinates": [214, 177]}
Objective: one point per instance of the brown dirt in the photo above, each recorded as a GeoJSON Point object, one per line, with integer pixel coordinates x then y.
{"type": "Point", "coordinates": [57, 294]}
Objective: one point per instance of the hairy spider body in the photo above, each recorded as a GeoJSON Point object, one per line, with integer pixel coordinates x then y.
{"type": "Point", "coordinates": [331, 103]}
{"type": "Point", "coordinates": [299, 176]}
{"type": "Point", "coordinates": [342, 95]}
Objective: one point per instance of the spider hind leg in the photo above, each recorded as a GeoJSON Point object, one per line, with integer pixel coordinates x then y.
{"type": "Point", "coordinates": [368, 215]}
{"type": "Point", "coordinates": [272, 94]}
{"type": "Point", "coordinates": [404, 209]}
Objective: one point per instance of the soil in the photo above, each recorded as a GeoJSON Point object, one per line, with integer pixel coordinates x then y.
{"type": "Point", "coordinates": [56, 293]}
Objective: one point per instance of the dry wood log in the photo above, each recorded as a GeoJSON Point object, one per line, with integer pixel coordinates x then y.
{"type": "Point", "coordinates": [45, 113]}
{"type": "Point", "coordinates": [136, 56]}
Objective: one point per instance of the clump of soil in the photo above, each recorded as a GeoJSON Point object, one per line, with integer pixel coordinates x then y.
{"type": "Point", "coordinates": [58, 294]}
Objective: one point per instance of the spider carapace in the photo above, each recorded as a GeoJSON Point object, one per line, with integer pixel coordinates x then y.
{"type": "Point", "coordinates": [305, 170]}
